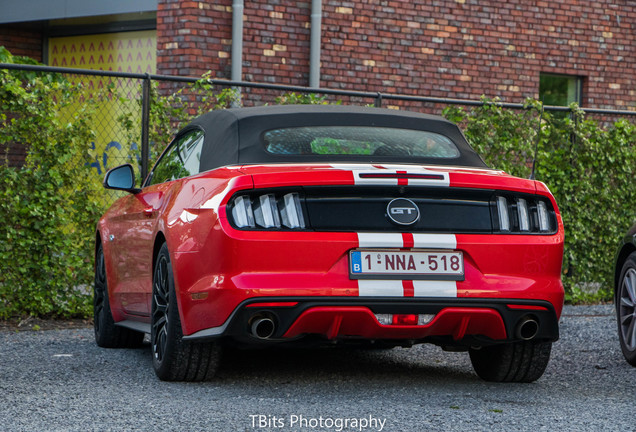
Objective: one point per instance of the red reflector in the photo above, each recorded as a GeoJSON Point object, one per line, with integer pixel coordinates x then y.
{"type": "Point", "coordinates": [273, 304]}
{"type": "Point", "coordinates": [526, 307]}
{"type": "Point", "coordinates": [402, 176]}
{"type": "Point", "coordinates": [404, 319]}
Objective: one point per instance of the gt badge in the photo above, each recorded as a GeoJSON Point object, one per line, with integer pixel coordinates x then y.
{"type": "Point", "coordinates": [403, 211]}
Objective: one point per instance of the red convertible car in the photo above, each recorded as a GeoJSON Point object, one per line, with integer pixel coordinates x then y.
{"type": "Point", "coordinates": [304, 224]}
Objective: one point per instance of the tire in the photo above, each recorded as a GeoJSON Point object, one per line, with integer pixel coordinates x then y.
{"type": "Point", "coordinates": [626, 308]}
{"type": "Point", "coordinates": [107, 334]}
{"type": "Point", "coordinates": [173, 358]}
{"type": "Point", "coordinates": [513, 362]}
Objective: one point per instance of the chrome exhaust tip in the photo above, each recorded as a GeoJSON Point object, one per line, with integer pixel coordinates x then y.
{"type": "Point", "coordinates": [527, 329]}
{"type": "Point", "coordinates": [263, 328]}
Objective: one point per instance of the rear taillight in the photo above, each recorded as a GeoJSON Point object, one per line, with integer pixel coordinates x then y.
{"type": "Point", "coordinates": [524, 215]}
{"type": "Point", "coordinates": [544, 217]}
{"type": "Point", "coordinates": [267, 211]}
{"type": "Point", "coordinates": [242, 213]}
{"type": "Point", "coordinates": [503, 213]}
{"type": "Point", "coordinates": [515, 214]}
{"type": "Point", "coordinates": [291, 212]}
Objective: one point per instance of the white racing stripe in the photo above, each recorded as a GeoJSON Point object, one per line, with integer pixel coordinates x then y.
{"type": "Point", "coordinates": [380, 240]}
{"type": "Point", "coordinates": [435, 241]}
{"type": "Point", "coordinates": [396, 240]}
{"type": "Point", "coordinates": [352, 167]}
{"type": "Point", "coordinates": [395, 288]}
{"type": "Point", "coordinates": [425, 288]}
{"type": "Point", "coordinates": [380, 288]}
{"type": "Point", "coordinates": [358, 169]}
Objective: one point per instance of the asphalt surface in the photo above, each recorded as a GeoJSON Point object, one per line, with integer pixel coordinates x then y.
{"type": "Point", "coordinates": [60, 380]}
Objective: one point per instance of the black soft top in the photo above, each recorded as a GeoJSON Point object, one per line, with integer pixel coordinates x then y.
{"type": "Point", "coordinates": [235, 136]}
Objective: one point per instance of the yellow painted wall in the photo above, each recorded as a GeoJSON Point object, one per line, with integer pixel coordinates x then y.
{"type": "Point", "coordinates": [133, 52]}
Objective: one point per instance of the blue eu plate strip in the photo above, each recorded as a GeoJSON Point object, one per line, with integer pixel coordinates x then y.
{"type": "Point", "coordinates": [356, 262]}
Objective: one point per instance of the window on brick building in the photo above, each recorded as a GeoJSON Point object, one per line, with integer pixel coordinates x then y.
{"type": "Point", "coordinates": [560, 90]}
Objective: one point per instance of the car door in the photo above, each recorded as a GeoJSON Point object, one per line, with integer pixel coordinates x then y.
{"type": "Point", "coordinates": [135, 243]}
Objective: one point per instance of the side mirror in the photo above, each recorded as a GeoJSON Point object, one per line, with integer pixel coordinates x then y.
{"type": "Point", "coordinates": [121, 178]}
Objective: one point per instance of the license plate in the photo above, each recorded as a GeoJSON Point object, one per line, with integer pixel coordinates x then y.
{"type": "Point", "coordinates": [396, 264]}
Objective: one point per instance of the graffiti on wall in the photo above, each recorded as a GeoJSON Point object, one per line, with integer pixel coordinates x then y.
{"type": "Point", "coordinates": [133, 52]}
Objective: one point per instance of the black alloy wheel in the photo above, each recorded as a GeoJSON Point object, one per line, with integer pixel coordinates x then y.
{"type": "Point", "coordinates": [160, 308]}
{"type": "Point", "coordinates": [100, 291]}
{"type": "Point", "coordinates": [107, 334]}
{"type": "Point", "coordinates": [626, 309]}
{"type": "Point", "coordinates": [173, 358]}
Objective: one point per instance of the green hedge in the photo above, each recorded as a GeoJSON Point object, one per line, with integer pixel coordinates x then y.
{"type": "Point", "coordinates": [48, 207]}
{"type": "Point", "coordinates": [589, 168]}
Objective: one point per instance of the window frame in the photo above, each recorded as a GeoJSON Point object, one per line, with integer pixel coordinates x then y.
{"type": "Point", "coordinates": [174, 144]}
{"type": "Point", "coordinates": [578, 87]}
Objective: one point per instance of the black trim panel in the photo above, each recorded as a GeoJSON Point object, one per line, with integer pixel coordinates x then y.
{"type": "Point", "coordinates": [237, 326]}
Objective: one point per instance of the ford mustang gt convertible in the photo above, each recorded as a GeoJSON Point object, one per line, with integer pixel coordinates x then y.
{"type": "Point", "coordinates": [284, 225]}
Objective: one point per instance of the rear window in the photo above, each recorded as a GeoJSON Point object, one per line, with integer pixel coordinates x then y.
{"type": "Point", "coordinates": [359, 140]}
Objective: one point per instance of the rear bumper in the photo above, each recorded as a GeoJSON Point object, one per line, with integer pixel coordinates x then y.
{"type": "Point", "coordinates": [216, 282]}
{"type": "Point", "coordinates": [455, 322]}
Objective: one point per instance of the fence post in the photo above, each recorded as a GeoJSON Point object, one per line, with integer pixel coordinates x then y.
{"type": "Point", "coordinates": [145, 125]}
{"type": "Point", "coordinates": [378, 101]}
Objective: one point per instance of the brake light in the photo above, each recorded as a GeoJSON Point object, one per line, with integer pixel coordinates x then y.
{"type": "Point", "coordinates": [242, 212]}
{"type": "Point", "coordinates": [544, 222]}
{"type": "Point", "coordinates": [291, 211]}
{"type": "Point", "coordinates": [515, 214]}
{"type": "Point", "coordinates": [268, 211]}
{"type": "Point", "coordinates": [502, 210]}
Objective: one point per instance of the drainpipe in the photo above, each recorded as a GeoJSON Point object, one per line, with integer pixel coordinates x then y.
{"type": "Point", "coordinates": [314, 45]}
{"type": "Point", "coordinates": [237, 41]}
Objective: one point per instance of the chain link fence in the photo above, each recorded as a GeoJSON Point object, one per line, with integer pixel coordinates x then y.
{"type": "Point", "coordinates": [136, 115]}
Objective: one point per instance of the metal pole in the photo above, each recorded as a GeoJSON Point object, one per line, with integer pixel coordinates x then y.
{"type": "Point", "coordinates": [378, 101]}
{"type": "Point", "coordinates": [237, 40]}
{"type": "Point", "coordinates": [314, 43]}
{"type": "Point", "coordinates": [145, 126]}
{"type": "Point", "coordinates": [237, 43]}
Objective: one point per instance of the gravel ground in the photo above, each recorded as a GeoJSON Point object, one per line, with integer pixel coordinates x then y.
{"type": "Point", "coordinates": [60, 380]}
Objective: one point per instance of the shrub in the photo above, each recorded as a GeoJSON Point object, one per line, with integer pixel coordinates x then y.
{"type": "Point", "coordinates": [49, 206]}
{"type": "Point", "coordinates": [588, 168]}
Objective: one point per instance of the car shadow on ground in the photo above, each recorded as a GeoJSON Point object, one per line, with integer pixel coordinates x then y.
{"type": "Point", "coordinates": [421, 363]}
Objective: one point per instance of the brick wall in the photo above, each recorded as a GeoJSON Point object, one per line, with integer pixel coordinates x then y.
{"type": "Point", "coordinates": [276, 41]}
{"type": "Point", "coordinates": [13, 154]}
{"type": "Point", "coordinates": [22, 41]}
{"type": "Point", "coordinates": [194, 37]}
{"type": "Point", "coordinates": [464, 48]}
{"type": "Point", "coordinates": [451, 48]}
{"type": "Point", "coordinates": [19, 41]}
